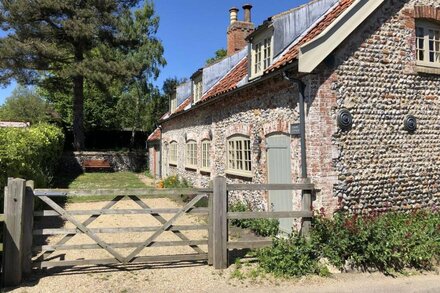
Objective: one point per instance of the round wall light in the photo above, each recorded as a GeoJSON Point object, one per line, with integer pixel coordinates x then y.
{"type": "Point", "coordinates": [344, 119]}
{"type": "Point", "coordinates": [410, 123]}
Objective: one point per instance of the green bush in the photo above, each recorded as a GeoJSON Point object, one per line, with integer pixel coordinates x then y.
{"type": "Point", "coordinates": [29, 153]}
{"type": "Point", "coordinates": [292, 257]}
{"type": "Point", "coordinates": [175, 182]}
{"type": "Point", "coordinates": [386, 242]}
{"type": "Point", "coordinates": [262, 227]}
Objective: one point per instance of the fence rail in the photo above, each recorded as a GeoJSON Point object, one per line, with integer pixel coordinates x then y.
{"type": "Point", "coordinates": [19, 215]}
{"type": "Point", "coordinates": [2, 219]}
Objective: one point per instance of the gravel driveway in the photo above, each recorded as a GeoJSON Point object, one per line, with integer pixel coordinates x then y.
{"type": "Point", "coordinates": [189, 277]}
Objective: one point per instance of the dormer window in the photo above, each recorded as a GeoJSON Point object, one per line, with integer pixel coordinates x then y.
{"type": "Point", "coordinates": [197, 88]}
{"type": "Point", "coordinates": [428, 43]}
{"type": "Point", "coordinates": [173, 103]}
{"type": "Point", "coordinates": [262, 53]}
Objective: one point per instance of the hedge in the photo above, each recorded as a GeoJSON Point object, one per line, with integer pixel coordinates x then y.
{"type": "Point", "coordinates": [30, 153]}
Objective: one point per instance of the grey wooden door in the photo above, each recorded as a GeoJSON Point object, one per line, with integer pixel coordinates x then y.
{"type": "Point", "coordinates": [279, 171]}
{"type": "Point", "coordinates": [158, 163]}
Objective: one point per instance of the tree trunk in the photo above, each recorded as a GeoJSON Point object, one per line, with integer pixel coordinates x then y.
{"type": "Point", "coordinates": [78, 113]}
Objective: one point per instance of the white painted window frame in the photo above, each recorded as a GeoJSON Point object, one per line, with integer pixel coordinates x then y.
{"type": "Point", "coordinates": [427, 26]}
{"type": "Point", "coordinates": [206, 160]}
{"type": "Point", "coordinates": [197, 89]}
{"type": "Point", "coordinates": [191, 154]}
{"type": "Point", "coordinates": [173, 153]}
{"type": "Point", "coordinates": [239, 160]}
{"type": "Point", "coordinates": [260, 58]}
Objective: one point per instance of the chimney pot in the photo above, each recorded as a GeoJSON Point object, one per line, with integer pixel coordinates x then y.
{"type": "Point", "coordinates": [233, 14]}
{"type": "Point", "coordinates": [247, 12]}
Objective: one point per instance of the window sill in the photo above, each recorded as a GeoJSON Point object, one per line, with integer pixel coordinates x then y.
{"type": "Point", "coordinates": [239, 174]}
{"type": "Point", "coordinates": [191, 168]}
{"type": "Point", "coordinates": [205, 172]}
{"type": "Point", "coordinates": [427, 69]}
{"type": "Point", "coordinates": [173, 164]}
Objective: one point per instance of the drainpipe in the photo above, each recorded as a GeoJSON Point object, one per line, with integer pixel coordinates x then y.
{"type": "Point", "coordinates": [306, 199]}
{"type": "Point", "coordinates": [302, 122]}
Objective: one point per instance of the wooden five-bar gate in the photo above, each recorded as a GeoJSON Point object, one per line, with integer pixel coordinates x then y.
{"type": "Point", "coordinates": [21, 254]}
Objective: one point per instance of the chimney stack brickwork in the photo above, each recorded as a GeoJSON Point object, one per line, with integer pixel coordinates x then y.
{"type": "Point", "coordinates": [239, 30]}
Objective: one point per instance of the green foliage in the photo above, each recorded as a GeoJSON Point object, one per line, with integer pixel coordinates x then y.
{"type": "Point", "coordinates": [219, 55]}
{"type": "Point", "coordinates": [292, 257]}
{"type": "Point", "coordinates": [262, 227]}
{"type": "Point", "coordinates": [176, 182]}
{"type": "Point", "coordinates": [25, 105]}
{"type": "Point", "coordinates": [387, 242]}
{"type": "Point", "coordinates": [29, 153]}
{"type": "Point", "coordinates": [64, 45]}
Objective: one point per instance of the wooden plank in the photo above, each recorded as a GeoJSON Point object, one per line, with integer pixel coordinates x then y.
{"type": "Point", "coordinates": [164, 227]}
{"type": "Point", "coordinates": [162, 220]}
{"type": "Point", "coordinates": [28, 226]}
{"type": "Point", "coordinates": [252, 244]}
{"type": "Point", "coordinates": [2, 217]}
{"type": "Point", "coordinates": [269, 215]}
{"type": "Point", "coordinates": [49, 213]}
{"type": "Point", "coordinates": [297, 186]}
{"type": "Point", "coordinates": [306, 204]}
{"type": "Point", "coordinates": [220, 224]}
{"type": "Point", "coordinates": [173, 228]}
{"type": "Point", "coordinates": [139, 259]}
{"type": "Point", "coordinates": [13, 232]}
{"type": "Point", "coordinates": [81, 227]}
{"type": "Point", "coordinates": [115, 192]}
{"type": "Point", "coordinates": [87, 222]}
{"type": "Point", "coordinates": [120, 245]}
{"type": "Point", "coordinates": [210, 235]}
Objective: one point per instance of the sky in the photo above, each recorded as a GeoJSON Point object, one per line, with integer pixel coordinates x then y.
{"type": "Point", "coordinates": [192, 30]}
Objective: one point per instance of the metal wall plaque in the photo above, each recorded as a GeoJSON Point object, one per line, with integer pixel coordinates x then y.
{"type": "Point", "coordinates": [295, 129]}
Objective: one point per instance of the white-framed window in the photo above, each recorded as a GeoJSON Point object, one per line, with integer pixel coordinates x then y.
{"type": "Point", "coordinates": [262, 53]}
{"type": "Point", "coordinates": [173, 103]}
{"type": "Point", "coordinates": [239, 156]}
{"type": "Point", "coordinates": [191, 154]}
{"type": "Point", "coordinates": [173, 153]}
{"type": "Point", "coordinates": [427, 43]}
{"type": "Point", "coordinates": [197, 89]}
{"type": "Point", "coordinates": [206, 162]}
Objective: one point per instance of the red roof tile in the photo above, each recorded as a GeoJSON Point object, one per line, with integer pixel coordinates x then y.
{"type": "Point", "coordinates": [328, 19]}
{"type": "Point", "coordinates": [183, 105]}
{"type": "Point", "coordinates": [229, 82]}
{"type": "Point", "coordinates": [155, 135]}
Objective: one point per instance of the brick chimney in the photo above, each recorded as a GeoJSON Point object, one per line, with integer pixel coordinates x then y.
{"type": "Point", "coordinates": [239, 30]}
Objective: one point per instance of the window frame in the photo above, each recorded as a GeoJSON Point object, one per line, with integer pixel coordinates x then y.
{"type": "Point", "coordinates": [240, 157]}
{"type": "Point", "coordinates": [197, 89]}
{"type": "Point", "coordinates": [191, 154]}
{"type": "Point", "coordinates": [172, 160]}
{"type": "Point", "coordinates": [427, 25]}
{"type": "Point", "coordinates": [205, 156]}
{"type": "Point", "coordinates": [259, 46]}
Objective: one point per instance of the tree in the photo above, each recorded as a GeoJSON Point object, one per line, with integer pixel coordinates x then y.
{"type": "Point", "coordinates": [25, 105]}
{"type": "Point", "coordinates": [62, 44]}
{"type": "Point", "coordinates": [219, 55]}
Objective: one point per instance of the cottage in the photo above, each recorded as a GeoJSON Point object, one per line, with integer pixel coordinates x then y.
{"type": "Point", "coordinates": [361, 78]}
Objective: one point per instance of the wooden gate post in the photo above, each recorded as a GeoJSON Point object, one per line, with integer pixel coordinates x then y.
{"type": "Point", "coordinates": [13, 232]}
{"type": "Point", "coordinates": [219, 231]}
{"type": "Point", "coordinates": [210, 235]}
{"type": "Point", "coordinates": [28, 226]}
{"type": "Point", "coordinates": [306, 206]}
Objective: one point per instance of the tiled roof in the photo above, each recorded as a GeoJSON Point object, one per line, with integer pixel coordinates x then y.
{"type": "Point", "coordinates": [328, 19]}
{"type": "Point", "coordinates": [155, 135]}
{"type": "Point", "coordinates": [183, 105]}
{"type": "Point", "coordinates": [229, 82]}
